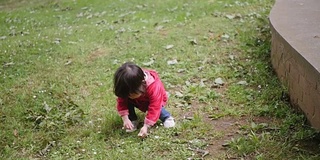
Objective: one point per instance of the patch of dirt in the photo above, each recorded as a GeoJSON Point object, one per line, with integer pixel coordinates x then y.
{"type": "Point", "coordinates": [310, 145]}
{"type": "Point", "coordinates": [84, 92]}
{"type": "Point", "coordinates": [230, 127]}
{"type": "Point", "coordinates": [97, 53]}
{"type": "Point", "coordinates": [163, 32]}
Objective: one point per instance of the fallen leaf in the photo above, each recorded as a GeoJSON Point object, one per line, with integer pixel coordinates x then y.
{"type": "Point", "coordinates": [46, 107]}
{"type": "Point", "coordinates": [194, 42]}
{"type": "Point", "coordinates": [173, 9]}
{"type": "Point", "coordinates": [3, 37]}
{"type": "Point", "coordinates": [159, 28]}
{"type": "Point", "coordinates": [201, 84]}
{"type": "Point", "coordinates": [68, 62]}
{"type": "Point", "coordinates": [8, 64]}
{"type": "Point", "coordinates": [178, 94]}
{"type": "Point", "coordinates": [148, 63]}
{"type": "Point", "coordinates": [230, 16]}
{"type": "Point", "coordinates": [80, 15]}
{"type": "Point", "coordinates": [179, 104]}
{"type": "Point", "coordinates": [231, 57]}
{"type": "Point", "coordinates": [233, 16]}
{"type": "Point", "coordinates": [72, 42]}
{"type": "Point", "coordinates": [217, 14]}
{"type": "Point", "coordinates": [85, 8]}
{"type": "Point", "coordinates": [169, 46]}
{"type": "Point", "coordinates": [242, 83]}
{"type": "Point", "coordinates": [121, 30]}
{"type": "Point", "coordinates": [57, 41]}
{"type": "Point", "coordinates": [189, 118]}
{"type": "Point", "coordinates": [188, 83]}
{"type": "Point", "coordinates": [219, 81]}
{"type": "Point", "coordinates": [25, 33]}
{"type": "Point", "coordinates": [172, 62]}
{"type": "Point", "coordinates": [15, 133]}
{"type": "Point", "coordinates": [225, 36]}
{"type": "Point", "coordinates": [89, 16]}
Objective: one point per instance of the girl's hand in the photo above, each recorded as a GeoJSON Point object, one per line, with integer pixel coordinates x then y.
{"type": "Point", "coordinates": [127, 124]}
{"type": "Point", "coordinates": [144, 131]}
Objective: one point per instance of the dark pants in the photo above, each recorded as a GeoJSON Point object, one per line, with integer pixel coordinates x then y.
{"type": "Point", "coordinates": [164, 114]}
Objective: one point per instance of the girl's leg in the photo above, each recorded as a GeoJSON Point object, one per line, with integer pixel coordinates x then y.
{"type": "Point", "coordinates": [164, 114]}
{"type": "Point", "coordinates": [132, 113]}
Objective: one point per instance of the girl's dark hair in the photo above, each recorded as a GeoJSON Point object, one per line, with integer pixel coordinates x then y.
{"type": "Point", "coordinates": [129, 78]}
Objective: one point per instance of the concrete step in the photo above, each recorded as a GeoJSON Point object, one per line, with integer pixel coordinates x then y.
{"type": "Point", "coordinates": [295, 53]}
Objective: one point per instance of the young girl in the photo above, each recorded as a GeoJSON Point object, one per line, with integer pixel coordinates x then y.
{"type": "Point", "coordinates": [143, 89]}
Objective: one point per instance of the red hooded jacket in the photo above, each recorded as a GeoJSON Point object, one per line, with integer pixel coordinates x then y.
{"type": "Point", "coordinates": [151, 101]}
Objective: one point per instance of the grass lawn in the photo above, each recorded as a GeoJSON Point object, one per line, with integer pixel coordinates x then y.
{"type": "Point", "coordinates": [58, 58]}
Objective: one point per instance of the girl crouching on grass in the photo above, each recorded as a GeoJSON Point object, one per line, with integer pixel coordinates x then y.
{"type": "Point", "coordinates": [142, 89]}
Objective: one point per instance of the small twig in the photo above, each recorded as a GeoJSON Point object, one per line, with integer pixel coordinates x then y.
{"type": "Point", "coordinates": [47, 148]}
{"type": "Point", "coordinates": [8, 64]}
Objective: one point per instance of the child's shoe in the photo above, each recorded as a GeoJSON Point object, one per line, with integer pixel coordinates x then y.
{"type": "Point", "coordinates": [135, 126]}
{"type": "Point", "coordinates": [169, 122]}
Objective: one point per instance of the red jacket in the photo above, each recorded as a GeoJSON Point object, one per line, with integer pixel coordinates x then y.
{"type": "Point", "coordinates": [151, 101]}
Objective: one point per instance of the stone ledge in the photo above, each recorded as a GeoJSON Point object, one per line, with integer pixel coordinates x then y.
{"type": "Point", "coordinates": [295, 53]}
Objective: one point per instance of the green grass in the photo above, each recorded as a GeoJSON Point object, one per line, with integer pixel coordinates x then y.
{"type": "Point", "coordinates": [57, 64]}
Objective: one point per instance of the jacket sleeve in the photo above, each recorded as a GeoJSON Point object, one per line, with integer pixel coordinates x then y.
{"type": "Point", "coordinates": [122, 106]}
{"type": "Point", "coordinates": [156, 97]}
